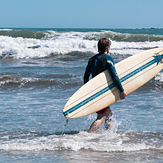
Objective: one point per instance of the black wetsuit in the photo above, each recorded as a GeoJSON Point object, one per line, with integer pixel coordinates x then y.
{"type": "Point", "coordinates": [100, 63]}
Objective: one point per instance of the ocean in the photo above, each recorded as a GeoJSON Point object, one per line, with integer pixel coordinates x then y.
{"type": "Point", "coordinates": [39, 71]}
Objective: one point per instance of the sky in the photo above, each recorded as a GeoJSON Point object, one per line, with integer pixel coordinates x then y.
{"type": "Point", "coordinates": [81, 13]}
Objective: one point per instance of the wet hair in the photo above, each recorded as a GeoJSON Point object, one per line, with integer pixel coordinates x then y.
{"type": "Point", "coordinates": [103, 44]}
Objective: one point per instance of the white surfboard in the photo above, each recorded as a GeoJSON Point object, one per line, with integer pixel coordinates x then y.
{"type": "Point", "coordinates": [101, 92]}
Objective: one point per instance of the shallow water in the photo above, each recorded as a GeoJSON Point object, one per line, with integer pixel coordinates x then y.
{"type": "Point", "coordinates": [35, 84]}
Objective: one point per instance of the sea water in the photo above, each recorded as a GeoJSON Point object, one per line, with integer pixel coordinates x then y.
{"type": "Point", "coordinates": [39, 71]}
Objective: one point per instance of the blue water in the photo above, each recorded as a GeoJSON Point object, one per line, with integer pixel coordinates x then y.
{"type": "Point", "coordinates": [41, 68]}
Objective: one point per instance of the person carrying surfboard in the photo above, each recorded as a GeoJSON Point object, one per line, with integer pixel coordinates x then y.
{"type": "Point", "coordinates": [97, 64]}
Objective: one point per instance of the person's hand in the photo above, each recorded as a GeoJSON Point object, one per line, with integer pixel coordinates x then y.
{"type": "Point", "coordinates": [122, 95]}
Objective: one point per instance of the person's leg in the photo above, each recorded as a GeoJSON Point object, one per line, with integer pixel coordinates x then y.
{"type": "Point", "coordinates": [108, 119]}
{"type": "Point", "coordinates": [97, 123]}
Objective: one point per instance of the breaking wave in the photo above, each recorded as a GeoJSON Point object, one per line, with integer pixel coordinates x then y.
{"type": "Point", "coordinates": [106, 141]}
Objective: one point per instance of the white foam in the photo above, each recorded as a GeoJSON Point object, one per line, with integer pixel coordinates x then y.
{"type": "Point", "coordinates": [99, 141]}
{"type": "Point", "coordinates": [6, 29]}
{"type": "Point", "coordinates": [159, 77]}
{"type": "Point", "coordinates": [20, 47]}
{"type": "Point", "coordinates": [65, 43]}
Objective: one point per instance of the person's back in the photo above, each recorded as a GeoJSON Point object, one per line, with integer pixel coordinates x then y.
{"type": "Point", "coordinates": [96, 65]}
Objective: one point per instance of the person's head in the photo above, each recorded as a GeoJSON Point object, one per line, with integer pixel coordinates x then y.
{"type": "Point", "coordinates": [104, 45]}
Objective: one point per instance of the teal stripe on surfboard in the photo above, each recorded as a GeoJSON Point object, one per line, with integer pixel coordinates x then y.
{"type": "Point", "coordinates": [156, 59]}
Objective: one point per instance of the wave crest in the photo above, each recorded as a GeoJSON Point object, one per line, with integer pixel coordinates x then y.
{"type": "Point", "coordinates": [11, 81]}
{"type": "Point", "coordinates": [130, 35]}
{"type": "Point", "coordinates": [103, 141]}
{"type": "Point", "coordinates": [25, 48]}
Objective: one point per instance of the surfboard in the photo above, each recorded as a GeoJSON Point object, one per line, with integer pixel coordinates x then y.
{"type": "Point", "coordinates": [101, 92]}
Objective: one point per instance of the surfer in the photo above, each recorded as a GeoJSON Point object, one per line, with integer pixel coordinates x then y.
{"type": "Point", "coordinates": [97, 64]}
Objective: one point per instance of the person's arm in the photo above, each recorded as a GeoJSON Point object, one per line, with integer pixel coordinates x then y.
{"type": "Point", "coordinates": [116, 80]}
{"type": "Point", "coordinates": [87, 74]}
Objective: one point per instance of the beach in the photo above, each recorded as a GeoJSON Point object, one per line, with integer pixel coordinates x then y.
{"type": "Point", "coordinates": [40, 69]}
